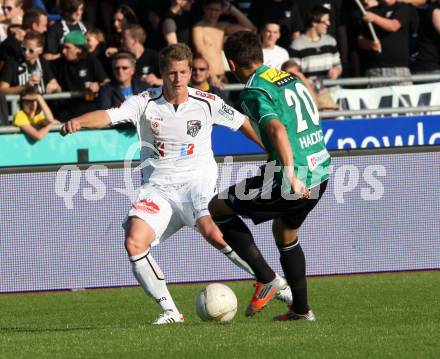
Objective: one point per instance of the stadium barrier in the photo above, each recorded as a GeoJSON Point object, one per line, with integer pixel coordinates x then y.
{"type": "Point", "coordinates": [61, 226]}
{"type": "Point", "coordinates": [105, 145]}
{"type": "Point", "coordinates": [347, 82]}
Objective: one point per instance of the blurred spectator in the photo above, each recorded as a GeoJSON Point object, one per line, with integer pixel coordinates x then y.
{"type": "Point", "coordinates": [200, 77]}
{"type": "Point", "coordinates": [284, 12]}
{"type": "Point", "coordinates": [34, 118]}
{"type": "Point", "coordinates": [124, 85]}
{"type": "Point", "coordinates": [390, 55]}
{"type": "Point", "coordinates": [72, 12]}
{"type": "Point", "coordinates": [333, 6]}
{"type": "Point", "coordinates": [35, 19]}
{"type": "Point", "coordinates": [209, 33]}
{"type": "Point", "coordinates": [147, 60]}
{"type": "Point", "coordinates": [175, 25]}
{"type": "Point", "coordinates": [315, 51]}
{"type": "Point", "coordinates": [13, 15]}
{"type": "Point", "coordinates": [40, 4]}
{"type": "Point", "coordinates": [4, 121]}
{"type": "Point", "coordinates": [99, 15]}
{"type": "Point", "coordinates": [11, 47]}
{"type": "Point", "coordinates": [428, 56]}
{"type": "Point", "coordinates": [76, 71]}
{"type": "Point", "coordinates": [274, 55]}
{"type": "Point", "coordinates": [123, 17]}
{"type": "Point", "coordinates": [31, 70]}
{"type": "Point", "coordinates": [95, 42]}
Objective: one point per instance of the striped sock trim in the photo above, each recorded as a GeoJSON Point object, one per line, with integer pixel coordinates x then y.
{"type": "Point", "coordinates": [138, 257]}
{"type": "Point", "coordinates": [289, 247]}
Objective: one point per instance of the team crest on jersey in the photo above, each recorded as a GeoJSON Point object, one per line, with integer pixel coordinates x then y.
{"type": "Point", "coordinates": [193, 127]}
{"type": "Point", "coordinates": [155, 125]}
{"type": "Point", "coordinates": [277, 77]}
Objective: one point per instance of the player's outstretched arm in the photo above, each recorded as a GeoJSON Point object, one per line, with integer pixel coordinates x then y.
{"type": "Point", "coordinates": [247, 130]}
{"type": "Point", "coordinates": [95, 119]}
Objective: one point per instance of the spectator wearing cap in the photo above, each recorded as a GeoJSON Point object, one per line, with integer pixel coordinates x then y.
{"type": "Point", "coordinates": [72, 12]}
{"type": "Point", "coordinates": [32, 69]}
{"type": "Point", "coordinates": [147, 60]}
{"type": "Point", "coordinates": [124, 84]}
{"type": "Point", "coordinates": [76, 71]}
{"type": "Point", "coordinates": [274, 55]}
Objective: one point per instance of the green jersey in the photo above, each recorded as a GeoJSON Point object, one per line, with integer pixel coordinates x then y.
{"type": "Point", "coordinates": [272, 94]}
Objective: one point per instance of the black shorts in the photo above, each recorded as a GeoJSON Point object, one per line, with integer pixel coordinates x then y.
{"type": "Point", "coordinates": [264, 207]}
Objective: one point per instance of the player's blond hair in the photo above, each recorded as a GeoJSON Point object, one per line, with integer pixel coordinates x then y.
{"type": "Point", "coordinates": [176, 52]}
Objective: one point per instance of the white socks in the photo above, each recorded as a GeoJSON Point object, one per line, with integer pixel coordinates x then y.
{"type": "Point", "coordinates": [150, 277]}
{"type": "Point", "coordinates": [235, 258]}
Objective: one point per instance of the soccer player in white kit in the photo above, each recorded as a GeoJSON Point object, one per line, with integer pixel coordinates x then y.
{"type": "Point", "coordinates": [174, 124]}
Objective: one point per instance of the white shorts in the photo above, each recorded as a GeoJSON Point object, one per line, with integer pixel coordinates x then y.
{"type": "Point", "coordinates": [168, 208]}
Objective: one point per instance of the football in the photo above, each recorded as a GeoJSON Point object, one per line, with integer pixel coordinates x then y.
{"type": "Point", "coordinates": [216, 302]}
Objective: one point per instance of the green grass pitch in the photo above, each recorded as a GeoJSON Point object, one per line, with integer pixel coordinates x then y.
{"type": "Point", "coordinates": [367, 316]}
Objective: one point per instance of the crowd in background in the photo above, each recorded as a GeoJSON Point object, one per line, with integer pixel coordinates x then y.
{"type": "Point", "coordinates": [109, 49]}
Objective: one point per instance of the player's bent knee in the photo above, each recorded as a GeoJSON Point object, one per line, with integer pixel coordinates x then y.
{"type": "Point", "coordinates": [138, 238]}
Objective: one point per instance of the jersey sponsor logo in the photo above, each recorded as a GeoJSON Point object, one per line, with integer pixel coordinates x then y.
{"type": "Point", "coordinates": [310, 139]}
{"type": "Point", "coordinates": [227, 112]}
{"type": "Point", "coordinates": [193, 127]}
{"type": "Point", "coordinates": [186, 149]}
{"type": "Point", "coordinates": [147, 205]}
{"type": "Point", "coordinates": [316, 159]}
{"type": "Point", "coordinates": [205, 95]}
{"type": "Point", "coordinates": [277, 77]}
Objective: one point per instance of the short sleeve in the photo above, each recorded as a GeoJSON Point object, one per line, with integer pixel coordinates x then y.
{"type": "Point", "coordinates": [38, 118]}
{"type": "Point", "coordinates": [225, 115]}
{"type": "Point", "coordinates": [21, 119]}
{"type": "Point", "coordinates": [129, 111]}
{"type": "Point", "coordinates": [258, 105]}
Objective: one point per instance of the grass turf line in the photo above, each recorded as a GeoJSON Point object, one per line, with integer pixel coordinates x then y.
{"type": "Point", "coordinates": [369, 316]}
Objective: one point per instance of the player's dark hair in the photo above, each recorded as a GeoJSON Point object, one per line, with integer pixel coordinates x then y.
{"type": "Point", "coordinates": [244, 48]}
{"type": "Point", "coordinates": [176, 52]}
{"type": "Point", "coordinates": [315, 15]}
{"type": "Point", "coordinates": [32, 16]}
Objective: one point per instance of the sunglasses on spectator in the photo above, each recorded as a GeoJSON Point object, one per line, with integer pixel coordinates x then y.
{"type": "Point", "coordinates": [201, 69]}
{"type": "Point", "coordinates": [7, 8]}
{"type": "Point", "coordinates": [26, 49]}
{"type": "Point", "coordinates": [117, 68]}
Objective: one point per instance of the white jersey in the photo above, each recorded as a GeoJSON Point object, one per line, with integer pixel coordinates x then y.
{"type": "Point", "coordinates": [176, 139]}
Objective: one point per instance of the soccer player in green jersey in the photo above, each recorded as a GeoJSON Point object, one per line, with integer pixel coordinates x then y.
{"type": "Point", "coordinates": [290, 184]}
